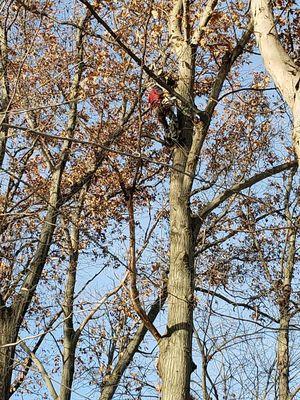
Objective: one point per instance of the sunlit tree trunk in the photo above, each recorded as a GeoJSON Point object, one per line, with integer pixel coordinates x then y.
{"type": "Point", "coordinates": [175, 365]}
{"type": "Point", "coordinates": [280, 66]}
{"type": "Point", "coordinates": [175, 360]}
{"type": "Point", "coordinates": [7, 335]}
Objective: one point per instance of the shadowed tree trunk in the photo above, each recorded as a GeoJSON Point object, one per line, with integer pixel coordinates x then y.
{"type": "Point", "coordinates": [11, 317]}
{"type": "Point", "coordinates": [70, 339]}
{"type": "Point", "coordinates": [283, 299]}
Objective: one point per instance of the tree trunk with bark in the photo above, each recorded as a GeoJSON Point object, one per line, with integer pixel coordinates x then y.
{"type": "Point", "coordinates": [278, 63]}
{"type": "Point", "coordinates": [70, 340]}
{"type": "Point", "coordinates": [175, 359]}
{"type": "Point", "coordinates": [8, 335]}
{"type": "Point", "coordinates": [283, 356]}
{"type": "Point", "coordinates": [284, 301]}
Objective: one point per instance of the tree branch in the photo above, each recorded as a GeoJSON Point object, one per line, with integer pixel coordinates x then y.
{"type": "Point", "coordinates": [134, 293]}
{"type": "Point", "coordinates": [227, 62]}
{"type": "Point", "coordinates": [110, 383]}
{"type": "Point", "coordinates": [41, 369]}
{"type": "Point", "coordinates": [175, 22]}
{"type": "Point", "coordinates": [139, 62]}
{"type": "Point", "coordinates": [19, 380]}
{"type": "Point", "coordinates": [204, 20]}
{"type": "Point", "coordinates": [236, 304]}
{"type": "Point", "coordinates": [244, 185]}
{"type": "Point", "coordinates": [280, 66]}
{"type": "Point", "coordinates": [201, 128]}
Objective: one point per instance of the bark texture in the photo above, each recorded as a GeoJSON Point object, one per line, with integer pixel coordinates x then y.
{"type": "Point", "coordinates": [283, 356]}
{"type": "Point", "coordinates": [280, 66]}
{"type": "Point", "coordinates": [175, 360]}
{"type": "Point", "coordinates": [70, 340]}
{"type": "Point", "coordinates": [284, 292]}
{"type": "Point", "coordinates": [7, 335]}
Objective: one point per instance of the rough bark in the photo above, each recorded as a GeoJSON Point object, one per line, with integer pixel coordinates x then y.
{"type": "Point", "coordinates": [175, 359]}
{"type": "Point", "coordinates": [70, 340]}
{"type": "Point", "coordinates": [280, 66]}
{"type": "Point", "coordinates": [283, 298]}
{"type": "Point", "coordinates": [283, 356]}
{"type": "Point", "coordinates": [7, 335]}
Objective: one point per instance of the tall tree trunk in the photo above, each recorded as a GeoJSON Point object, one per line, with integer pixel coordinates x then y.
{"type": "Point", "coordinates": [7, 335]}
{"type": "Point", "coordinates": [278, 63]}
{"type": "Point", "coordinates": [68, 368]}
{"type": "Point", "coordinates": [284, 298]}
{"type": "Point", "coordinates": [175, 359]}
{"type": "Point", "coordinates": [70, 337]}
{"type": "Point", "coordinates": [283, 356]}
{"type": "Point", "coordinates": [70, 341]}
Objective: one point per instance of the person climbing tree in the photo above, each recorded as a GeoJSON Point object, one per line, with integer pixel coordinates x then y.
{"type": "Point", "coordinates": [160, 101]}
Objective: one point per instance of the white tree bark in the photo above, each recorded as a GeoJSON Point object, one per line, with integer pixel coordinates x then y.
{"type": "Point", "coordinates": [280, 66]}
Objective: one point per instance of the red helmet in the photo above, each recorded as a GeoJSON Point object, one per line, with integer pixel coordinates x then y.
{"type": "Point", "coordinates": [155, 96]}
